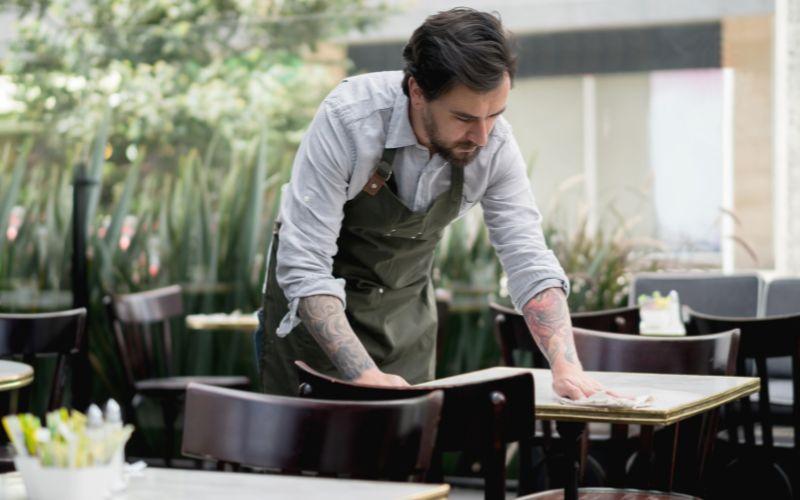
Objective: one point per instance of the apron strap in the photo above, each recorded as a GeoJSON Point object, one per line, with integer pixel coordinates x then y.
{"type": "Point", "coordinates": [382, 172]}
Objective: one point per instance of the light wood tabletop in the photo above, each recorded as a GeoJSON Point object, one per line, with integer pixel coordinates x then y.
{"type": "Point", "coordinates": [14, 375]}
{"type": "Point", "coordinates": [675, 397]}
{"type": "Point", "coordinates": [181, 484]}
{"type": "Point", "coordinates": [221, 321]}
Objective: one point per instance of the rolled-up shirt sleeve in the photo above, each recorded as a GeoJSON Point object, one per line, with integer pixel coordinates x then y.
{"type": "Point", "coordinates": [311, 213]}
{"type": "Point", "coordinates": [515, 229]}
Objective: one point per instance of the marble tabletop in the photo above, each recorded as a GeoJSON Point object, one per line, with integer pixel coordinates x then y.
{"type": "Point", "coordinates": [675, 397]}
{"type": "Point", "coordinates": [181, 484]}
{"type": "Point", "coordinates": [14, 375]}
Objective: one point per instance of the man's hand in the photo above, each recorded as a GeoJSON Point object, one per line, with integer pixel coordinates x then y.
{"type": "Point", "coordinates": [575, 384]}
{"type": "Point", "coordinates": [374, 376]}
{"type": "Point", "coordinates": [547, 317]}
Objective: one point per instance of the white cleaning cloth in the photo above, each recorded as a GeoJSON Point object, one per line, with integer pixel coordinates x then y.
{"type": "Point", "coordinates": [606, 400]}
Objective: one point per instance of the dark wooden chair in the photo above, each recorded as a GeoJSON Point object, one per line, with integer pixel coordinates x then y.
{"type": "Point", "coordinates": [55, 334]}
{"type": "Point", "coordinates": [763, 339]}
{"type": "Point", "coordinates": [26, 337]}
{"type": "Point", "coordinates": [141, 323]}
{"type": "Point", "coordinates": [699, 355]}
{"type": "Point", "coordinates": [621, 320]}
{"type": "Point", "coordinates": [782, 297]}
{"type": "Point", "coordinates": [365, 440]}
{"type": "Point", "coordinates": [480, 417]}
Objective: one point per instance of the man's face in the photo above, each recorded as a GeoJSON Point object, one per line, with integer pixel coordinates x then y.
{"type": "Point", "coordinates": [458, 123]}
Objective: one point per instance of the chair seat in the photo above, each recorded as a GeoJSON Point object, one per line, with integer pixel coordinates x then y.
{"type": "Point", "coordinates": [171, 385]}
{"type": "Point", "coordinates": [609, 494]}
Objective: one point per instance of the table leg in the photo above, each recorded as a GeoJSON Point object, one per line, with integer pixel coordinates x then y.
{"type": "Point", "coordinates": [571, 433]}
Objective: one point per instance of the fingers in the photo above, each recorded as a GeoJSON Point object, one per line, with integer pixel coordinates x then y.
{"type": "Point", "coordinates": [398, 381]}
{"type": "Point", "coordinates": [568, 390]}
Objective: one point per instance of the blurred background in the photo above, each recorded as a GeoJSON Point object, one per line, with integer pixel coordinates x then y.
{"type": "Point", "coordinates": [658, 135]}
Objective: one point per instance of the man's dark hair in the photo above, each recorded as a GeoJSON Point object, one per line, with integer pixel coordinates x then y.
{"type": "Point", "coordinates": [460, 45]}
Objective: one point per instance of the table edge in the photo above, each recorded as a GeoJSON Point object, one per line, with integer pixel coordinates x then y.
{"type": "Point", "coordinates": [642, 416]}
{"type": "Point", "coordinates": [441, 491]}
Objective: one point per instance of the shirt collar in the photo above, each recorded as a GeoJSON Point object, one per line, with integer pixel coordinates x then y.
{"type": "Point", "coordinates": [400, 133]}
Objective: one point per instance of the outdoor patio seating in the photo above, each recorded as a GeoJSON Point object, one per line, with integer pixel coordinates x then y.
{"type": "Point", "coordinates": [480, 417]}
{"type": "Point", "coordinates": [141, 323]}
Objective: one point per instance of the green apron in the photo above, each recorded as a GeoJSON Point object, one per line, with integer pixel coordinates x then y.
{"type": "Point", "coordinates": [385, 255]}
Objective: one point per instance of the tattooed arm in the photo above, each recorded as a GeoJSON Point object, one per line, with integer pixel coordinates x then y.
{"type": "Point", "coordinates": [547, 317]}
{"type": "Point", "coordinates": [324, 317]}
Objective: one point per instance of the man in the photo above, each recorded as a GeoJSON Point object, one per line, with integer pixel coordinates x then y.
{"type": "Point", "coordinates": [388, 162]}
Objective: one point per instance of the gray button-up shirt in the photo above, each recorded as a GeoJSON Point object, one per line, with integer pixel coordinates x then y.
{"type": "Point", "coordinates": [338, 154]}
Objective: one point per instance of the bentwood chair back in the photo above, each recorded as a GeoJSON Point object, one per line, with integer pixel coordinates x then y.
{"type": "Point", "coordinates": [390, 439]}
{"type": "Point", "coordinates": [621, 320]}
{"type": "Point", "coordinates": [54, 334]}
{"type": "Point", "coordinates": [479, 417]}
{"type": "Point", "coordinates": [142, 326]}
{"type": "Point", "coordinates": [26, 337]}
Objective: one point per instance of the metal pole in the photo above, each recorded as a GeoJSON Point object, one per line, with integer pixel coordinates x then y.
{"type": "Point", "coordinates": [81, 369]}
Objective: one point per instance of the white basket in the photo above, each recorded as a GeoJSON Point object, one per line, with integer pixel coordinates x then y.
{"type": "Point", "coordinates": [58, 483]}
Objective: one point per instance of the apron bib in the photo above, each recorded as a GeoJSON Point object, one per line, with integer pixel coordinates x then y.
{"type": "Point", "coordinates": [385, 255]}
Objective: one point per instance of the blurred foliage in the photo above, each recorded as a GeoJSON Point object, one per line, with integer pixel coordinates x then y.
{"type": "Point", "coordinates": [176, 72]}
{"type": "Point", "coordinates": [186, 115]}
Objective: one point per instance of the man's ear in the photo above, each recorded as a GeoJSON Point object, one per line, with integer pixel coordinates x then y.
{"type": "Point", "coordinates": [415, 93]}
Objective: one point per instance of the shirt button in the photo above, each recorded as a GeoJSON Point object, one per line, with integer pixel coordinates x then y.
{"type": "Point", "coordinates": [373, 186]}
{"type": "Point", "coordinates": [380, 290]}
{"type": "Point", "coordinates": [393, 230]}
{"type": "Point", "coordinates": [413, 237]}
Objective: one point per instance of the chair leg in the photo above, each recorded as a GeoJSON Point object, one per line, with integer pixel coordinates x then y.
{"type": "Point", "coordinates": [494, 473]}
{"type": "Point", "coordinates": [169, 413]}
{"type": "Point", "coordinates": [525, 452]}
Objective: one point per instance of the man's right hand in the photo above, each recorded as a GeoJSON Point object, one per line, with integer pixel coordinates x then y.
{"type": "Point", "coordinates": [373, 376]}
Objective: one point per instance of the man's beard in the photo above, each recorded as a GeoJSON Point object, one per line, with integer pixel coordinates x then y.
{"type": "Point", "coordinates": [449, 153]}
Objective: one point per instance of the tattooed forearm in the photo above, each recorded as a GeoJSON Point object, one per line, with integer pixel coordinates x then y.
{"type": "Point", "coordinates": [324, 317]}
{"type": "Point", "coordinates": [547, 317]}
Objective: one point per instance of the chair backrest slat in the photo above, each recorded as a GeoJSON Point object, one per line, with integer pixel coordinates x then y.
{"type": "Point", "coordinates": [621, 320]}
{"type": "Point", "coordinates": [372, 440]}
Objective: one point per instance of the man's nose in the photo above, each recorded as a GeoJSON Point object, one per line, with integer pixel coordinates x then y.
{"type": "Point", "coordinates": [479, 132]}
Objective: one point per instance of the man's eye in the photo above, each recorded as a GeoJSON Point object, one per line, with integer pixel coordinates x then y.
{"type": "Point", "coordinates": [462, 119]}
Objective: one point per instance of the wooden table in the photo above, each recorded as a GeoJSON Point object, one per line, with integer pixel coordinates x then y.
{"type": "Point", "coordinates": [14, 375]}
{"type": "Point", "coordinates": [676, 398]}
{"type": "Point", "coordinates": [181, 484]}
{"type": "Point", "coordinates": [236, 322]}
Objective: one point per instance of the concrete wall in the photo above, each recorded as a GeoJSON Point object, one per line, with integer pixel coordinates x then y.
{"type": "Point", "coordinates": [747, 49]}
